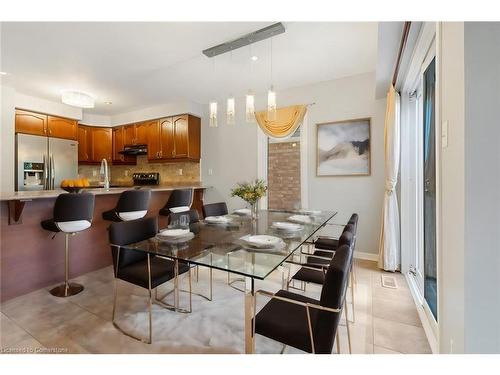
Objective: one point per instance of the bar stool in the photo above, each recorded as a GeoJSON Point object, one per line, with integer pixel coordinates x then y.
{"type": "Point", "coordinates": [132, 205]}
{"type": "Point", "coordinates": [72, 213]}
{"type": "Point", "coordinates": [179, 201]}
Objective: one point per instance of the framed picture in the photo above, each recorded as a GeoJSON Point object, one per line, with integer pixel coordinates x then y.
{"type": "Point", "coordinates": [343, 148]}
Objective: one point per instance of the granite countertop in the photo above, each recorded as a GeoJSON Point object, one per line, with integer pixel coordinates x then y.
{"type": "Point", "coordinates": [29, 195]}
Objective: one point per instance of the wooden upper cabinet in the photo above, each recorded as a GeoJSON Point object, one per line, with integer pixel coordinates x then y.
{"type": "Point", "coordinates": [59, 127]}
{"type": "Point", "coordinates": [141, 133]}
{"type": "Point", "coordinates": [84, 151]}
{"type": "Point", "coordinates": [101, 144]}
{"type": "Point", "coordinates": [180, 137]}
{"type": "Point", "coordinates": [31, 123]}
{"type": "Point", "coordinates": [129, 135]}
{"type": "Point", "coordinates": [118, 142]}
{"type": "Point", "coordinates": [166, 138]}
{"type": "Point", "coordinates": [153, 139]}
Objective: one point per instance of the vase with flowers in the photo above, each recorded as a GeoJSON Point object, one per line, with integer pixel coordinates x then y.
{"type": "Point", "coordinates": [250, 192]}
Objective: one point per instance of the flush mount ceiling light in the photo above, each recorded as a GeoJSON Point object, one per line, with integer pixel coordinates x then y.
{"type": "Point", "coordinates": [77, 99]}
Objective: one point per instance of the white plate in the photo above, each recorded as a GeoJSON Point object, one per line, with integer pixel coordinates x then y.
{"type": "Point", "coordinates": [217, 219]}
{"type": "Point", "coordinates": [176, 240]}
{"type": "Point", "coordinates": [243, 212]}
{"type": "Point", "coordinates": [300, 219]}
{"type": "Point", "coordinates": [310, 212]}
{"type": "Point", "coordinates": [172, 233]}
{"type": "Point", "coordinates": [262, 241]}
{"type": "Point", "coordinates": [286, 226]}
{"type": "Point", "coordinates": [176, 210]}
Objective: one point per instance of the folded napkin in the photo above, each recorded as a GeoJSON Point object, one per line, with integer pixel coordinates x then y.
{"type": "Point", "coordinates": [174, 232]}
{"type": "Point", "coordinates": [261, 241]}
{"type": "Point", "coordinates": [300, 218]}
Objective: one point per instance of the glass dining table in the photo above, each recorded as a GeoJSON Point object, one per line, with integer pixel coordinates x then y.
{"type": "Point", "coordinates": [224, 247]}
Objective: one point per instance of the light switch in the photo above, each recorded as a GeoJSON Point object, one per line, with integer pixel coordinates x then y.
{"type": "Point", "coordinates": [210, 171]}
{"type": "Point", "coordinates": [444, 134]}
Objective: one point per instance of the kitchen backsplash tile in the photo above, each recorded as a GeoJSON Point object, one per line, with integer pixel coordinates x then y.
{"type": "Point", "coordinates": [122, 174]}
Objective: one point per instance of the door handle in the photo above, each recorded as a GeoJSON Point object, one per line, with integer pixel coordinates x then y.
{"type": "Point", "coordinates": [52, 171]}
{"type": "Point", "coordinates": [45, 174]}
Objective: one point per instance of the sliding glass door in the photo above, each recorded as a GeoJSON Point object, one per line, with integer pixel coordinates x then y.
{"type": "Point", "coordinates": [429, 187]}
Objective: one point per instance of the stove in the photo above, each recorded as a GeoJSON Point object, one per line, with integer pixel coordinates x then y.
{"type": "Point", "coordinates": [148, 178]}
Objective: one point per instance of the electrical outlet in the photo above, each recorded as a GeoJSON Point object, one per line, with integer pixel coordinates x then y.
{"type": "Point", "coordinates": [94, 173]}
{"type": "Point", "coordinates": [444, 134]}
{"type": "Point", "coordinates": [210, 171]}
{"type": "Point", "coordinates": [179, 171]}
{"type": "Point", "coordinates": [451, 346]}
{"type": "Point", "coordinates": [126, 172]}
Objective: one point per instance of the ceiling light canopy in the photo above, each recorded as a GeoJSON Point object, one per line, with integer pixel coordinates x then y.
{"type": "Point", "coordinates": [77, 99]}
{"type": "Point", "coordinates": [245, 40]}
{"type": "Point", "coordinates": [254, 58]}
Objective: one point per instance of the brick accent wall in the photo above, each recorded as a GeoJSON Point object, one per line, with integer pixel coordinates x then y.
{"type": "Point", "coordinates": [284, 175]}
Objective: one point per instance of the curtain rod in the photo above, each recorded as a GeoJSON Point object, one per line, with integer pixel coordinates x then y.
{"type": "Point", "coordinates": [402, 45]}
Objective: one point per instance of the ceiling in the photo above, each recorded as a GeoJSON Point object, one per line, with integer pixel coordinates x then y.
{"type": "Point", "coordinates": [137, 65]}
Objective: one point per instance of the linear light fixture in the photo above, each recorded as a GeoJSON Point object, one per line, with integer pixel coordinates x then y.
{"type": "Point", "coordinates": [245, 40]}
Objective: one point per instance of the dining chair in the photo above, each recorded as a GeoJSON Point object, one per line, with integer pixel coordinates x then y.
{"type": "Point", "coordinates": [143, 269]}
{"type": "Point", "coordinates": [306, 323]}
{"type": "Point", "coordinates": [215, 209]}
{"type": "Point", "coordinates": [179, 199]}
{"type": "Point", "coordinates": [330, 243]}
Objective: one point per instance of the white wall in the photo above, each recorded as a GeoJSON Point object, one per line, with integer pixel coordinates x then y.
{"type": "Point", "coordinates": [7, 147]}
{"type": "Point", "coordinates": [231, 152]}
{"type": "Point", "coordinates": [482, 187]}
{"type": "Point", "coordinates": [450, 91]}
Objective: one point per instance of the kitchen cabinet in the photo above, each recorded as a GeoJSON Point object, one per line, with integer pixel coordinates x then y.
{"type": "Point", "coordinates": [175, 138]}
{"type": "Point", "coordinates": [83, 138]}
{"type": "Point", "coordinates": [136, 134]}
{"type": "Point", "coordinates": [101, 144]}
{"type": "Point", "coordinates": [60, 127]}
{"type": "Point", "coordinates": [94, 144]}
{"type": "Point", "coordinates": [118, 141]}
{"type": "Point", "coordinates": [31, 123]}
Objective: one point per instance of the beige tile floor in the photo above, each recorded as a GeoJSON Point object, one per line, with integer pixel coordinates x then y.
{"type": "Point", "coordinates": [387, 321]}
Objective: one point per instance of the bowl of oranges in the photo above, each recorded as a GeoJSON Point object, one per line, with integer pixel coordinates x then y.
{"type": "Point", "coordinates": [75, 185]}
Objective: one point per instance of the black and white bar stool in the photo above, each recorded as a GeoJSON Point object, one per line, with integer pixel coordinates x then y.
{"type": "Point", "coordinates": [72, 213]}
{"type": "Point", "coordinates": [132, 205]}
{"type": "Point", "coordinates": [180, 200]}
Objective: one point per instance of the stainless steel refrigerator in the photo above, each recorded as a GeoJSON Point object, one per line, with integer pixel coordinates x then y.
{"type": "Point", "coordinates": [43, 162]}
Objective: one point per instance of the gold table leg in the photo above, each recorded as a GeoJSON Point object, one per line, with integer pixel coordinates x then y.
{"type": "Point", "coordinates": [249, 313]}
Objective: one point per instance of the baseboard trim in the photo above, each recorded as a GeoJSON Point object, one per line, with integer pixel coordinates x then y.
{"type": "Point", "coordinates": [366, 256]}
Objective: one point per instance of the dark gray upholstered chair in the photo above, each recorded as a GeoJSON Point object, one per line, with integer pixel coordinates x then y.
{"type": "Point", "coordinates": [328, 243]}
{"type": "Point", "coordinates": [178, 198]}
{"type": "Point", "coordinates": [306, 323]}
{"type": "Point", "coordinates": [142, 269]}
{"type": "Point", "coordinates": [215, 209]}
{"type": "Point", "coordinates": [72, 213]}
{"type": "Point", "coordinates": [132, 205]}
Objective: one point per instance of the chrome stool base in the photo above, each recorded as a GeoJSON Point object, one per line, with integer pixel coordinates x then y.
{"type": "Point", "coordinates": [66, 290]}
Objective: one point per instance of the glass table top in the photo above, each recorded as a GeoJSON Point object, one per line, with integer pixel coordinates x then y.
{"type": "Point", "coordinates": [221, 246]}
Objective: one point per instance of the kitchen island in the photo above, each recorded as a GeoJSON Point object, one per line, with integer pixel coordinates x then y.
{"type": "Point", "coordinates": [30, 258]}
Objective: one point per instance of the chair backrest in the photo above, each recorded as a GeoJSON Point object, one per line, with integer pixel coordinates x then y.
{"type": "Point", "coordinates": [193, 216]}
{"type": "Point", "coordinates": [332, 296]}
{"type": "Point", "coordinates": [347, 238]}
{"type": "Point", "coordinates": [354, 220]}
{"type": "Point", "coordinates": [133, 204]}
{"type": "Point", "coordinates": [74, 212]}
{"type": "Point", "coordinates": [127, 232]}
{"type": "Point", "coordinates": [215, 209]}
{"type": "Point", "coordinates": [180, 198]}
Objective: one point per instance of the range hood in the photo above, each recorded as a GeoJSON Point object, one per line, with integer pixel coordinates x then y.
{"type": "Point", "coordinates": [134, 150]}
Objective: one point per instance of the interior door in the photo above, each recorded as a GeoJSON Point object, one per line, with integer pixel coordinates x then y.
{"type": "Point", "coordinates": [429, 187]}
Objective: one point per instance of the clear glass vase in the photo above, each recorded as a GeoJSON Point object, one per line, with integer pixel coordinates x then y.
{"type": "Point", "coordinates": [254, 208]}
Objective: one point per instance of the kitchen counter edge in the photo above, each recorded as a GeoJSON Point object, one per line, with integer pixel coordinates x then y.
{"type": "Point", "coordinates": [43, 194]}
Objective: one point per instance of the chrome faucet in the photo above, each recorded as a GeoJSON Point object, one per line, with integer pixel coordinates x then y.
{"type": "Point", "coordinates": [105, 171]}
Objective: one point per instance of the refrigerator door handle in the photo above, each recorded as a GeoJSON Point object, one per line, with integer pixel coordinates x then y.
{"type": "Point", "coordinates": [45, 174]}
{"type": "Point", "coordinates": [52, 172]}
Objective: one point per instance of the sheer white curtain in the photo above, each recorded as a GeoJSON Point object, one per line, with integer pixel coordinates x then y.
{"type": "Point", "coordinates": [389, 251]}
